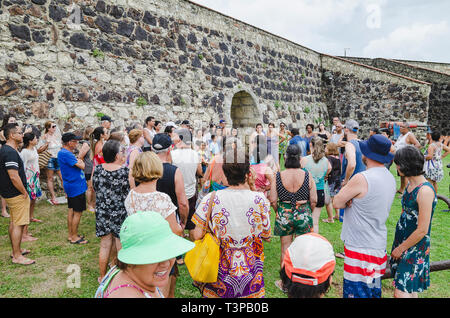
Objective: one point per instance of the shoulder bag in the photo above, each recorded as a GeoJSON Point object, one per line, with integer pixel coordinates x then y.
{"type": "Point", "coordinates": [202, 261]}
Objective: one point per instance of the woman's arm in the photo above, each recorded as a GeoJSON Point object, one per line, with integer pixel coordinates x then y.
{"type": "Point", "coordinates": [133, 156]}
{"type": "Point", "coordinates": [430, 152]}
{"type": "Point", "coordinates": [425, 198]}
{"type": "Point", "coordinates": [446, 150]}
{"type": "Point", "coordinates": [174, 226]}
{"type": "Point", "coordinates": [312, 192]}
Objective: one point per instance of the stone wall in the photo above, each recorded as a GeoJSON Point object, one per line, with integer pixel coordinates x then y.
{"type": "Point", "coordinates": [435, 66]}
{"type": "Point", "coordinates": [73, 61]}
{"type": "Point", "coordinates": [370, 95]}
{"type": "Point", "coordinates": [439, 99]}
{"type": "Point", "coordinates": [439, 105]}
{"type": "Point", "coordinates": [134, 58]}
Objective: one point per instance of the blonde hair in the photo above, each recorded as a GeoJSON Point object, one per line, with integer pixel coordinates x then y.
{"type": "Point", "coordinates": [134, 135]}
{"type": "Point", "coordinates": [147, 167]}
{"type": "Point", "coordinates": [332, 149]}
{"type": "Point", "coordinates": [318, 149]}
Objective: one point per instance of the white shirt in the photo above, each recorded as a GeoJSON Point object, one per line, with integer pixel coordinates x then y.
{"type": "Point", "coordinates": [401, 141]}
{"type": "Point", "coordinates": [187, 161]}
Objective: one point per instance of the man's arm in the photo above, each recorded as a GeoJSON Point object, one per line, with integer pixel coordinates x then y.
{"type": "Point", "coordinates": [350, 154]}
{"type": "Point", "coordinates": [412, 140]}
{"type": "Point", "coordinates": [356, 187]}
{"type": "Point", "coordinates": [183, 203]}
{"type": "Point", "coordinates": [16, 181]}
{"type": "Point", "coordinates": [79, 164]}
{"type": "Point", "coordinates": [147, 136]}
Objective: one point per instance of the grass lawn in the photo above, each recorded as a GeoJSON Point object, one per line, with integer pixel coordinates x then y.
{"type": "Point", "coordinates": [54, 255]}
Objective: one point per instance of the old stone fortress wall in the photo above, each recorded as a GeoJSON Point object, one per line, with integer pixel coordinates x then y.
{"type": "Point", "coordinates": [72, 61]}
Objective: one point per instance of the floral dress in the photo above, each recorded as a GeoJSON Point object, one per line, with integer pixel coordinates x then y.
{"type": "Point", "coordinates": [111, 189]}
{"type": "Point", "coordinates": [412, 272]}
{"type": "Point", "coordinates": [292, 219]}
{"type": "Point", "coordinates": [30, 160]}
{"type": "Point", "coordinates": [240, 219]}
{"type": "Point", "coordinates": [282, 147]}
{"type": "Point", "coordinates": [433, 168]}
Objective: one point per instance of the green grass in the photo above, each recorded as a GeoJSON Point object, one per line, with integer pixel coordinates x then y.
{"type": "Point", "coordinates": [53, 255]}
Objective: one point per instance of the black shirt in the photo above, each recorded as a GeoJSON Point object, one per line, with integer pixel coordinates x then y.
{"type": "Point", "coordinates": [166, 184]}
{"type": "Point", "coordinates": [10, 159]}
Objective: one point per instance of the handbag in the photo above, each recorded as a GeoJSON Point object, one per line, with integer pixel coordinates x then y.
{"type": "Point", "coordinates": [202, 261]}
{"type": "Point", "coordinates": [44, 157]}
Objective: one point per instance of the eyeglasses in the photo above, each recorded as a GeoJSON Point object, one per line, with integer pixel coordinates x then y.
{"type": "Point", "coordinates": [53, 126]}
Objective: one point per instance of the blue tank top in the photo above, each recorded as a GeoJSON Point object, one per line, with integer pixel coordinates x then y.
{"type": "Point", "coordinates": [360, 166]}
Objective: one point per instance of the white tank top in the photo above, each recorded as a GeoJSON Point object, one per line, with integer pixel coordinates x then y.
{"type": "Point", "coordinates": [365, 220]}
{"type": "Point", "coordinates": [401, 141]}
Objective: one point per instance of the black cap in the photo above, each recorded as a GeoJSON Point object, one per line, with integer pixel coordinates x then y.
{"type": "Point", "coordinates": [106, 118]}
{"type": "Point", "coordinates": [185, 122]}
{"type": "Point", "coordinates": [70, 136]}
{"type": "Point", "coordinates": [161, 142]}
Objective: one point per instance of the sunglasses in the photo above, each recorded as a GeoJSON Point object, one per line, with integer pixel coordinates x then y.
{"type": "Point", "coordinates": [53, 126]}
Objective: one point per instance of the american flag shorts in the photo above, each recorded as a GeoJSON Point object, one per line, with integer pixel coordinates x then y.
{"type": "Point", "coordinates": [363, 269]}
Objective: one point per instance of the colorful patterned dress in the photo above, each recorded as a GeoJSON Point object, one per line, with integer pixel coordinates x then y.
{"type": "Point", "coordinates": [30, 160]}
{"type": "Point", "coordinates": [412, 271]}
{"type": "Point", "coordinates": [282, 147]}
{"type": "Point", "coordinates": [240, 219]}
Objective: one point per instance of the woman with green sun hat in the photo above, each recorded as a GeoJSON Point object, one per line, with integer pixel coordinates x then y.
{"type": "Point", "coordinates": [149, 248]}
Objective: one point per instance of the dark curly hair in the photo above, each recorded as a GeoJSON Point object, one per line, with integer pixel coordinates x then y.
{"type": "Point", "coordinates": [298, 290]}
{"type": "Point", "coordinates": [409, 161]}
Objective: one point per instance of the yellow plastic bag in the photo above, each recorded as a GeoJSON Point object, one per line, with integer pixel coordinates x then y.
{"type": "Point", "coordinates": [202, 261]}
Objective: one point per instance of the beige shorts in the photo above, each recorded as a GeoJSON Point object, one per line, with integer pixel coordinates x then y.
{"type": "Point", "coordinates": [19, 209]}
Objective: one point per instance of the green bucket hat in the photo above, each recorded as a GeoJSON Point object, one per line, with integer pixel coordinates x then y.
{"type": "Point", "coordinates": [146, 238]}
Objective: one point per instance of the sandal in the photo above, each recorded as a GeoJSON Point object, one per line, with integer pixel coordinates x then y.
{"type": "Point", "coordinates": [328, 221]}
{"type": "Point", "coordinates": [81, 241]}
{"type": "Point", "coordinates": [24, 261]}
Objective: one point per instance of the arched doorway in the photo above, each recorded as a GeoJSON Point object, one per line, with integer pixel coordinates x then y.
{"type": "Point", "coordinates": [244, 114]}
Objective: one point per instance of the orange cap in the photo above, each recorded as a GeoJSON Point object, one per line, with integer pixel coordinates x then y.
{"type": "Point", "coordinates": [309, 255]}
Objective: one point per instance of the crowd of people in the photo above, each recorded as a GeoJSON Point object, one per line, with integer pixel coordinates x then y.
{"type": "Point", "coordinates": [154, 185]}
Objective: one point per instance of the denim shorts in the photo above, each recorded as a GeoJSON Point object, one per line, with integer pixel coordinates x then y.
{"type": "Point", "coordinates": [53, 164]}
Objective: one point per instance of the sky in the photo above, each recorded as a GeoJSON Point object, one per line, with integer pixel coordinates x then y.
{"type": "Point", "coordinates": [397, 29]}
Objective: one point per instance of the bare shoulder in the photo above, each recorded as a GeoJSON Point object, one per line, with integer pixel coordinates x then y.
{"type": "Point", "coordinates": [426, 192]}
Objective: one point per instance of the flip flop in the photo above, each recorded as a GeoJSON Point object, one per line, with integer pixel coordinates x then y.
{"type": "Point", "coordinates": [327, 221]}
{"type": "Point", "coordinates": [24, 252]}
{"type": "Point", "coordinates": [340, 255]}
{"type": "Point", "coordinates": [53, 202]}
{"type": "Point", "coordinates": [25, 261]}
{"type": "Point", "coordinates": [81, 237]}
{"type": "Point", "coordinates": [80, 241]}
